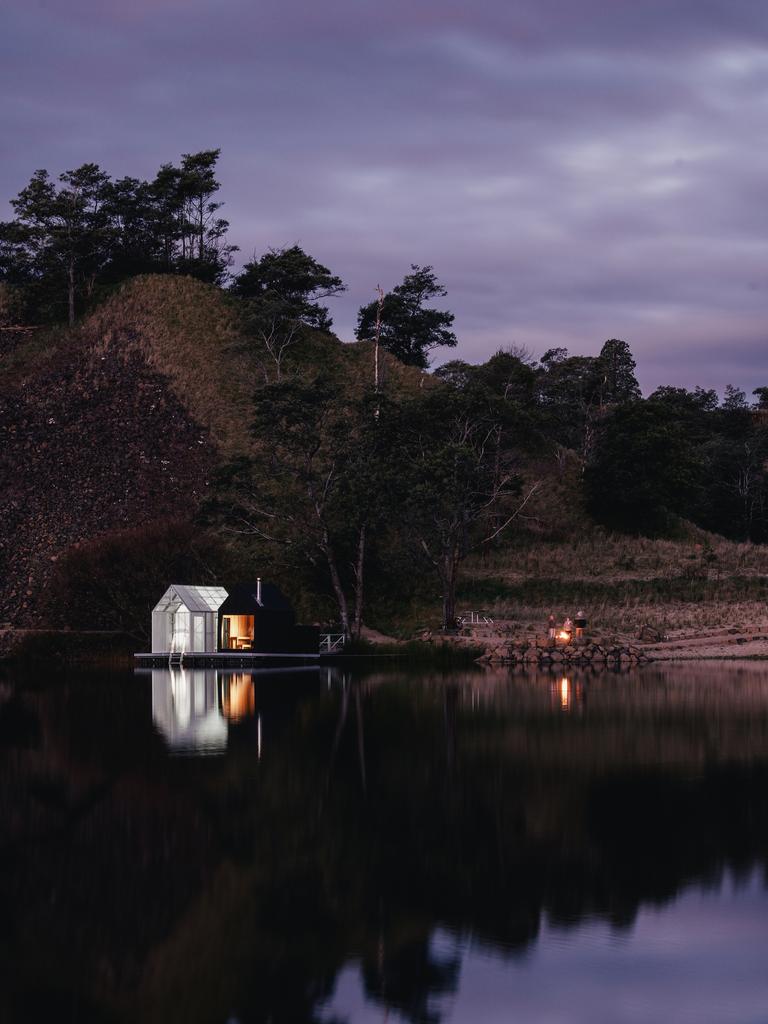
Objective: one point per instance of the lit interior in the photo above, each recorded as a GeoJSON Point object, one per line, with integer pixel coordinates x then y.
{"type": "Point", "coordinates": [237, 632]}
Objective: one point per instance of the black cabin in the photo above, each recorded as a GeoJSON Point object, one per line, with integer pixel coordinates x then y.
{"type": "Point", "coordinates": [258, 618]}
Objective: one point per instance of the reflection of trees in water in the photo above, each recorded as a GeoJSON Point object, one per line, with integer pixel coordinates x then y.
{"type": "Point", "coordinates": [199, 890]}
{"type": "Point", "coordinates": [410, 979]}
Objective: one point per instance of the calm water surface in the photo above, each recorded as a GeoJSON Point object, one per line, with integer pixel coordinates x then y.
{"type": "Point", "coordinates": [328, 846]}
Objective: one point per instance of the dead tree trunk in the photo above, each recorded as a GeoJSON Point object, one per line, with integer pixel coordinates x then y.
{"type": "Point", "coordinates": [338, 589]}
{"type": "Point", "coordinates": [71, 292]}
{"type": "Point", "coordinates": [377, 338]}
{"type": "Point", "coordinates": [448, 576]}
{"type": "Point", "coordinates": [357, 624]}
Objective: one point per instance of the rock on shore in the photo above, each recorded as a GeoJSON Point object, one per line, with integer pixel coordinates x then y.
{"type": "Point", "coordinates": [545, 654]}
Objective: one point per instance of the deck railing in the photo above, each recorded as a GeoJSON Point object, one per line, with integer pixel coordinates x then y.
{"type": "Point", "coordinates": [474, 619]}
{"type": "Point", "coordinates": [330, 642]}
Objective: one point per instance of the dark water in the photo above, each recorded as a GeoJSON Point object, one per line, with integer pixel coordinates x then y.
{"type": "Point", "coordinates": [328, 846]}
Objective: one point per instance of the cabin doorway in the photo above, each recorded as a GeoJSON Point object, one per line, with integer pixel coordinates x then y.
{"type": "Point", "coordinates": [179, 630]}
{"type": "Point", "coordinates": [198, 633]}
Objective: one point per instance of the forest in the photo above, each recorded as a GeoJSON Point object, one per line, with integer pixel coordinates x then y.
{"type": "Point", "coordinates": [363, 474]}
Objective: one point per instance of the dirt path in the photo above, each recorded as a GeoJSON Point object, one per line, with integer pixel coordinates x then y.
{"type": "Point", "coordinates": [718, 643]}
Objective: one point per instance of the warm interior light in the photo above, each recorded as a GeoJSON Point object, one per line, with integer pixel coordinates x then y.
{"type": "Point", "coordinates": [238, 631]}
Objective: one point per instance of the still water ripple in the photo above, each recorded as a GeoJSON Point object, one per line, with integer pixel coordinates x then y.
{"type": "Point", "coordinates": [422, 846]}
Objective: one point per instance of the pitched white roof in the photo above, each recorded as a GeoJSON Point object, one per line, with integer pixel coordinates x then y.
{"type": "Point", "coordinates": [196, 599]}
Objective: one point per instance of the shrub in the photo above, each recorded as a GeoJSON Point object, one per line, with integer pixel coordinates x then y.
{"type": "Point", "coordinates": [114, 581]}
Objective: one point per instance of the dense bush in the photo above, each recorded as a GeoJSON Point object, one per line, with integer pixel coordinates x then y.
{"type": "Point", "coordinates": [114, 581]}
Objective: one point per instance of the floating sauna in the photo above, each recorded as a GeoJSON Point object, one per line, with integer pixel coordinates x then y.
{"type": "Point", "coordinates": [210, 625]}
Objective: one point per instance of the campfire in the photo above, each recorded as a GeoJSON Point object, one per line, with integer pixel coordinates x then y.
{"type": "Point", "coordinates": [563, 635]}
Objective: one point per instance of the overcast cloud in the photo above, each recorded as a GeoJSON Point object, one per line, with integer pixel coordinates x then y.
{"type": "Point", "coordinates": [574, 169]}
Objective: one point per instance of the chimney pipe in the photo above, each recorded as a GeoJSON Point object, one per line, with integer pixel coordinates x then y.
{"type": "Point", "coordinates": [258, 590]}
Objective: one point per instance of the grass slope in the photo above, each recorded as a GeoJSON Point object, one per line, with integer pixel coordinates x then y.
{"type": "Point", "coordinates": [189, 332]}
{"type": "Point", "coordinates": [622, 582]}
{"type": "Point", "coordinates": [185, 330]}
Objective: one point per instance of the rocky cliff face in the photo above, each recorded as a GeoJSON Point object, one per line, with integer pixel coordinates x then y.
{"type": "Point", "coordinates": [94, 442]}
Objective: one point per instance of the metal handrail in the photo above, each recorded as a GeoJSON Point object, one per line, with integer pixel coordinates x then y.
{"type": "Point", "coordinates": [474, 619]}
{"type": "Point", "coordinates": [331, 642]}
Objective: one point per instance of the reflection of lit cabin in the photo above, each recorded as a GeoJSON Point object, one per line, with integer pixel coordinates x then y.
{"type": "Point", "coordinates": [258, 617]}
{"type": "Point", "coordinates": [185, 708]}
{"type": "Point", "coordinates": [186, 619]}
{"type": "Point", "coordinates": [238, 695]}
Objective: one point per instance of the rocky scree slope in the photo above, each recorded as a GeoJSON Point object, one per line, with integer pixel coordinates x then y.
{"type": "Point", "coordinates": [96, 441]}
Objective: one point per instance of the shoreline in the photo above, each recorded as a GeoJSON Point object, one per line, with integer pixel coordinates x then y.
{"type": "Point", "coordinates": [502, 643]}
{"type": "Point", "coordinates": [505, 643]}
{"type": "Point", "coordinates": [709, 657]}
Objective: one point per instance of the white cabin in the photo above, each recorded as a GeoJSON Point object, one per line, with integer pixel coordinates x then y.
{"type": "Point", "coordinates": [185, 619]}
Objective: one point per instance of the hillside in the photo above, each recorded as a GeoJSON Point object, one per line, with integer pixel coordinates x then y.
{"type": "Point", "coordinates": [118, 426]}
{"type": "Point", "coordinates": [92, 444]}
{"type": "Point", "coordinates": [704, 594]}
{"type": "Point", "coordinates": [109, 427]}
{"type": "Point", "coordinates": [119, 423]}
{"type": "Point", "coordinates": [186, 332]}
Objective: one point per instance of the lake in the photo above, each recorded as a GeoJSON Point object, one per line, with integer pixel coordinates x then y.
{"type": "Point", "coordinates": [325, 845]}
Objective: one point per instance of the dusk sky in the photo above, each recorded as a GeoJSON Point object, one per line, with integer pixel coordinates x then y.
{"type": "Point", "coordinates": [573, 169]}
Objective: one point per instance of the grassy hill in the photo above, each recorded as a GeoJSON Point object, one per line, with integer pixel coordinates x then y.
{"type": "Point", "coordinates": [92, 441]}
{"type": "Point", "coordinates": [115, 427]}
{"type": "Point", "coordinates": [186, 331]}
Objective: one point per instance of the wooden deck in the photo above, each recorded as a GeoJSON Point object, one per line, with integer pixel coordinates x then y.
{"type": "Point", "coordinates": [224, 659]}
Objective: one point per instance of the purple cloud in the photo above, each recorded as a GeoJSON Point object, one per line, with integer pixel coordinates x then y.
{"type": "Point", "coordinates": [574, 171]}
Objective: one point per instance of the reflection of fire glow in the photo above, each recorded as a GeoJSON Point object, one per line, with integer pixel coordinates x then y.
{"type": "Point", "coordinates": [565, 693]}
{"type": "Point", "coordinates": [563, 635]}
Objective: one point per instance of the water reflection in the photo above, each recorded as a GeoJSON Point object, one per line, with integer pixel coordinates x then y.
{"type": "Point", "coordinates": [238, 695]}
{"type": "Point", "coordinates": [193, 708]}
{"type": "Point", "coordinates": [186, 709]}
{"type": "Point", "coordinates": [702, 961]}
{"type": "Point", "coordinates": [434, 847]}
{"type": "Point", "coordinates": [569, 694]}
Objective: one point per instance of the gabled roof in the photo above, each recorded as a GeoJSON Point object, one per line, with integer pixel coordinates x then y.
{"type": "Point", "coordinates": [242, 598]}
{"type": "Point", "coordinates": [196, 599]}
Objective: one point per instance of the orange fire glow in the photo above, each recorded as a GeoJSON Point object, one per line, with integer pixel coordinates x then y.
{"type": "Point", "coordinates": [565, 693]}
